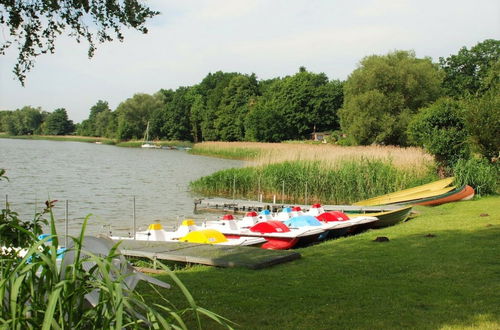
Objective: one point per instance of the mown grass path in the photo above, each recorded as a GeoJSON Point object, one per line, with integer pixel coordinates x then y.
{"type": "Point", "coordinates": [440, 269]}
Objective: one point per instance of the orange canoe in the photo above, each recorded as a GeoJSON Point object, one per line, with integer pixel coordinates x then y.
{"type": "Point", "coordinates": [463, 193]}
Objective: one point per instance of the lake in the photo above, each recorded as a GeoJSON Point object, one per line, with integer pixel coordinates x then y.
{"type": "Point", "coordinates": [103, 180]}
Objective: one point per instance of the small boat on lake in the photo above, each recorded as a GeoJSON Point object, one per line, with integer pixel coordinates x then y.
{"type": "Point", "coordinates": [189, 232]}
{"type": "Point", "coordinates": [146, 143]}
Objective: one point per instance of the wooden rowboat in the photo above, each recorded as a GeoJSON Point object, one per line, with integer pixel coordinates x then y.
{"type": "Point", "coordinates": [432, 189]}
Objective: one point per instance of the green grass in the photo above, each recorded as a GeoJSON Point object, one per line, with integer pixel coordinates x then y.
{"type": "Point", "coordinates": [448, 281]}
{"type": "Point", "coordinates": [167, 143]}
{"type": "Point", "coordinates": [243, 153]}
{"type": "Point", "coordinates": [347, 182]}
{"type": "Point", "coordinates": [133, 144]}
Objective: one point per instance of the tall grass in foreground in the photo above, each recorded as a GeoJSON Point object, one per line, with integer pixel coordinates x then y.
{"type": "Point", "coordinates": [312, 181]}
{"type": "Point", "coordinates": [36, 292]}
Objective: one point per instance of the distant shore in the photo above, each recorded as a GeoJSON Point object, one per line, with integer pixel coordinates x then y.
{"type": "Point", "coordinates": [98, 140]}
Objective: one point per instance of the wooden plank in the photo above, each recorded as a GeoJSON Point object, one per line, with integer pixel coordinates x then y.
{"type": "Point", "coordinates": [206, 254]}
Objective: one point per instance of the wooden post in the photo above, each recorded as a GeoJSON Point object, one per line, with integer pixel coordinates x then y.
{"type": "Point", "coordinates": [283, 193]}
{"type": "Point", "coordinates": [133, 219]}
{"type": "Point", "coordinates": [66, 225]}
{"type": "Point", "coordinates": [258, 193]}
{"type": "Point", "coordinates": [234, 187]}
{"type": "Point", "coordinates": [6, 201]}
{"type": "Point", "coordinates": [305, 197]}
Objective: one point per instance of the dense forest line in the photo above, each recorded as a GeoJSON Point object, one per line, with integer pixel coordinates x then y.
{"type": "Point", "coordinates": [451, 107]}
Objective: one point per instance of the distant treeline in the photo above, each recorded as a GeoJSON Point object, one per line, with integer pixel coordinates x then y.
{"type": "Point", "coordinates": [392, 99]}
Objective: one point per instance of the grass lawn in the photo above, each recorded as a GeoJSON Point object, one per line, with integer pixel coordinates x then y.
{"type": "Point", "coordinates": [447, 280]}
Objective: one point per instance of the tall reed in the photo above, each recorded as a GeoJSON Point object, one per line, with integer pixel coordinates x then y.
{"type": "Point", "coordinates": [259, 154]}
{"type": "Point", "coordinates": [311, 181]}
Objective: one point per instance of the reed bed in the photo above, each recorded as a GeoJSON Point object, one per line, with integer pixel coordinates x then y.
{"type": "Point", "coordinates": [306, 173]}
{"type": "Point", "coordinates": [260, 154]}
{"type": "Point", "coordinates": [309, 181]}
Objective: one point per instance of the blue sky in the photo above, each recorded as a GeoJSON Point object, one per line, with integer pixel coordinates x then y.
{"type": "Point", "coordinates": [270, 38]}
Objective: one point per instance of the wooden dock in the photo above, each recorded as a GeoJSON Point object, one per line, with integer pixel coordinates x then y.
{"type": "Point", "coordinates": [207, 254]}
{"type": "Point", "coordinates": [242, 206]}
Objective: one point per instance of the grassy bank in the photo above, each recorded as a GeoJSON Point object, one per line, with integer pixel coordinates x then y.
{"type": "Point", "coordinates": [312, 181]}
{"type": "Point", "coordinates": [165, 143]}
{"type": "Point", "coordinates": [446, 280]}
{"type": "Point", "coordinates": [72, 138]}
{"type": "Point", "coordinates": [90, 139]}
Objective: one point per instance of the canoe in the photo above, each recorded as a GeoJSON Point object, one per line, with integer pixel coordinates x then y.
{"type": "Point", "coordinates": [462, 193]}
{"type": "Point", "coordinates": [385, 218]}
{"type": "Point", "coordinates": [427, 190]}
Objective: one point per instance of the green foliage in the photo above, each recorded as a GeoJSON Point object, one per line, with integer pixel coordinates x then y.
{"type": "Point", "coordinates": [440, 129]}
{"type": "Point", "coordinates": [478, 173]}
{"type": "Point", "coordinates": [134, 114]}
{"type": "Point", "coordinates": [382, 95]}
{"type": "Point", "coordinates": [293, 107]}
{"type": "Point", "coordinates": [348, 182]}
{"type": "Point", "coordinates": [482, 120]}
{"type": "Point", "coordinates": [57, 123]}
{"type": "Point", "coordinates": [171, 120]}
{"type": "Point", "coordinates": [235, 104]}
{"type": "Point", "coordinates": [33, 26]}
{"type": "Point", "coordinates": [24, 121]}
{"type": "Point", "coordinates": [466, 73]}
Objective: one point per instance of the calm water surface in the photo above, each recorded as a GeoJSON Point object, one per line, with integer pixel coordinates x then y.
{"type": "Point", "coordinates": [103, 180]}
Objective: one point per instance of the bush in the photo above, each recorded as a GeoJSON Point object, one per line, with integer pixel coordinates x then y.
{"type": "Point", "coordinates": [440, 129]}
{"type": "Point", "coordinates": [479, 174]}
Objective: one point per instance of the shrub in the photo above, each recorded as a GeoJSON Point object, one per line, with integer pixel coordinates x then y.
{"type": "Point", "coordinates": [479, 174]}
{"type": "Point", "coordinates": [440, 129]}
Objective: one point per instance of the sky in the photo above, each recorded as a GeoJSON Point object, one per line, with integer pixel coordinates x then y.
{"type": "Point", "coordinates": [271, 38]}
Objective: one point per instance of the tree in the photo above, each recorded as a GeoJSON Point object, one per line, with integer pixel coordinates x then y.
{"type": "Point", "coordinates": [382, 95]}
{"type": "Point", "coordinates": [302, 103]}
{"type": "Point", "coordinates": [211, 89]}
{"type": "Point", "coordinates": [33, 26]}
{"type": "Point", "coordinates": [467, 71]}
{"type": "Point", "coordinates": [440, 129]}
{"type": "Point", "coordinates": [172, 119]}
{"type": "Point", "coordinates": [133, 115]}
{"type": "Point", "coordinates": [24, 121]}
{"type": "Point", "coordinates": [482, 119]}
{"type": "Point", "coordinates": [234, 107]}
{"type": "Point", "coordinates": [57, 123]}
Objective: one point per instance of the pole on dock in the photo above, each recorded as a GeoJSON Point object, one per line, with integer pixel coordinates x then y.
{"type": "Point", "coordinates": [234, 187]}
{"type": "Point", "coordinates": [305, 197]}
{"type": "Point", "coordinates": [283, 193]}
{"type": "Point", "coordinates": [66, 213]}
{"type": "Point", "coordinates": [6, 201]}
{"type": "Point", "coordinates": [259, 195]}
{"type": "Point", "coordinates": [274, 199]}
{"type": "Point", "coordinates": [133, 218]}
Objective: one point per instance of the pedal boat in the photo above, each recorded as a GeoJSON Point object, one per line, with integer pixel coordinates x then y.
{"type": "Point", "coordinates": [189, 232]}
{"type": "Point", "coordinates": [277, 234]}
